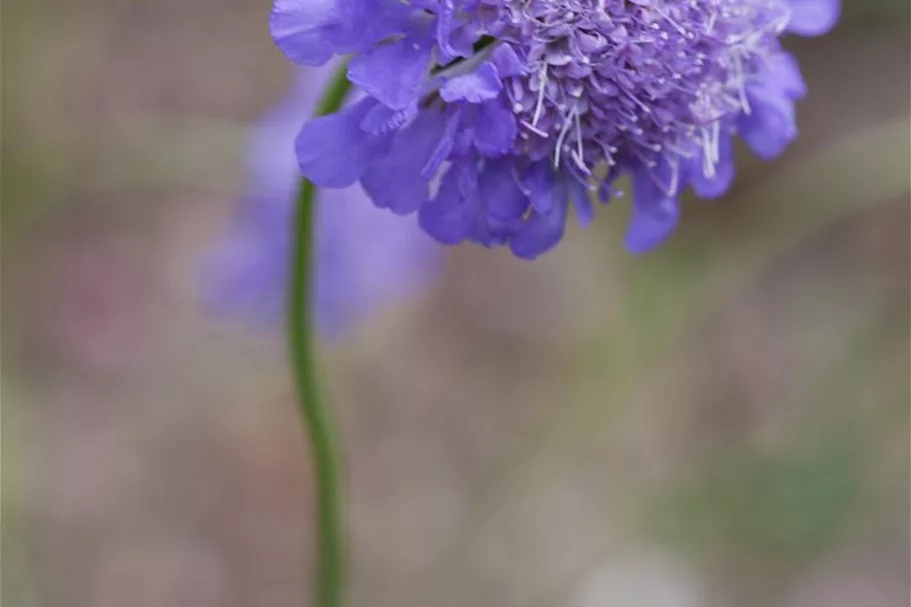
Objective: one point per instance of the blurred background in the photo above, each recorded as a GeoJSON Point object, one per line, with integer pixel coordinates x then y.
{"type": "Point", "coordinates": [721, 423]}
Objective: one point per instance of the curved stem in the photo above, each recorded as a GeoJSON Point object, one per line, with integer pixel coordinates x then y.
{"type": "Point", "coordinates": [317, 420]}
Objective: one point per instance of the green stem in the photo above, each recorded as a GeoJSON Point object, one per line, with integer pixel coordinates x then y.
{"type": "Point", "coordinates": [317, 419]}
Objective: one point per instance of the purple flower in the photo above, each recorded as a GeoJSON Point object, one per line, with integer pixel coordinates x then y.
{"type": "Point", "coordinates": [490, 119]}
{"type": "Point", "coordinates": [363, 256]}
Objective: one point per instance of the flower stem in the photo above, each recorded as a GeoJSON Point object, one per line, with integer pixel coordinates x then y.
{"type": "Point", "coordinates": [316, 416]}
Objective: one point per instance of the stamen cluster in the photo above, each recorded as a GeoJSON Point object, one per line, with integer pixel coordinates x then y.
{"type": "Point", "coordinates": [610, 77]}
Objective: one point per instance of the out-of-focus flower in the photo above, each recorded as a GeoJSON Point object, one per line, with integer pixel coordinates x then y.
{"type": "Point", "coordinates": [489, 118]}
{"type": "Point", "coordinates": [363, 257]}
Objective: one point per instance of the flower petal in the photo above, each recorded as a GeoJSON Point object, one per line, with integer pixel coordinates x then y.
{"type": "Point", "coordinates": [507, 62]}
{"type": "Point", "coordinates": [654, 217]}
{"type": "Point", "coordinates": [545, 226]}
{"type": "Point", "coordinates": [813, 17]}
{"type": "Point", "coordinates": [771, 124]}
{"type": "Point", "coordinates": [495, 129]}
{"type": "Point", "coordinates": [393, 179]}
{"type": "Point", "coordinates": [364, 23]}
{"type": "Point", "coordinates": [582, 202]}
{"type": "Point", "coordinates": [474, 87]}
{"type": "Point", "coordinates": [541, 232]}
{"type": "Point", "coordinates": [539, 185]}
{"type": "Point", "coordinates": [444, 147]}
{"type": "Point", "coordinates": [499, 192]}
{"type": "Point", "coordinates": [781, 72]}
{"type": "Point", "coordinates": [333, 150]}
{"type": "Point", "coordinates": [452, 212]}
{"type": "Point", "coordinates": [301, 28]}
{"type": "Point", "coordinates": [444, 27]}
{"type": "Point", "coordinates": [393, 73]}
{"type": "Point", "coordinates": [381, 119]}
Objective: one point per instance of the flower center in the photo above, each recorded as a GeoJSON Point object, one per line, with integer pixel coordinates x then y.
{"type": "Point", "coordinates": [608, 80]}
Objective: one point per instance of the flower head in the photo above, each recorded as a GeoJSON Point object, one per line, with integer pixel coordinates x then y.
{"type": "Point", "coordinates": [363, 256]}
{"type": "Point", "coordinates": [490, 118]}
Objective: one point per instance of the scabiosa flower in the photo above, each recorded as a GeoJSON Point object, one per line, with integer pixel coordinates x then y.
{"type": "Point", "coordinates": [490, 118]}
{"type": "Point", "coordinates": [363, 256]}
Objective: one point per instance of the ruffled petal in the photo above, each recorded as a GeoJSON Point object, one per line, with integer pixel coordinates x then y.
{"type": "Point", "coordinates": [541, 232]}
{"type": "Point", "coordinates": [444, 147]}
{"type": "Point", "coordinates": [495, 129]}
{"type": "Point", "coordinates": [582, 202]}
{"type": "Point", "coordinates": [393, 179]}
{"type": "Point", "coordinates": [781, 72]}
{"type": "Point", "coordinates": [382, 120]}
{"type": "Point", "coordinates": [451, 214]}
{"type": "Point", "coordinates": [444, 28]}
{"type": "Point", "coordinates": [771, 124]}
{"type": "Point", "coordinates": [507, 62]}
{"type": "Point", "coordinates": [452, 38]}
{"type": "Point", "coordinates": [813, 17]}
{"type": "Point", "coordinates": [364, 23]}
{"type": "Point", "coordinates": [393, 73]}
{"type": "Point", "coordinates": [302, 29]}
{"type": "Point", "coordinates": [539, 185]}
{"type": "Point", "coordinates": [499, 192]}
{"type": "Point", "coordinates": [655, 214]}
{"type": "Point", "coordinates": [333, 150]}
{"type": "Point", "coordinates": [545, 226]}
{"type": "Point", "coordinates": [474, 87]}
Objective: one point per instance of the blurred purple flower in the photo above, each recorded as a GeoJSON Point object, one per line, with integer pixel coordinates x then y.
{"type": "Point", "coordinates": [364, 257]}
{"type": "Point", "coordinates": [510, 108]}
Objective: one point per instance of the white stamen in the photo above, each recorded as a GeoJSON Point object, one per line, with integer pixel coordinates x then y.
{"type": "Point", "coordinates": [540, 104]}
